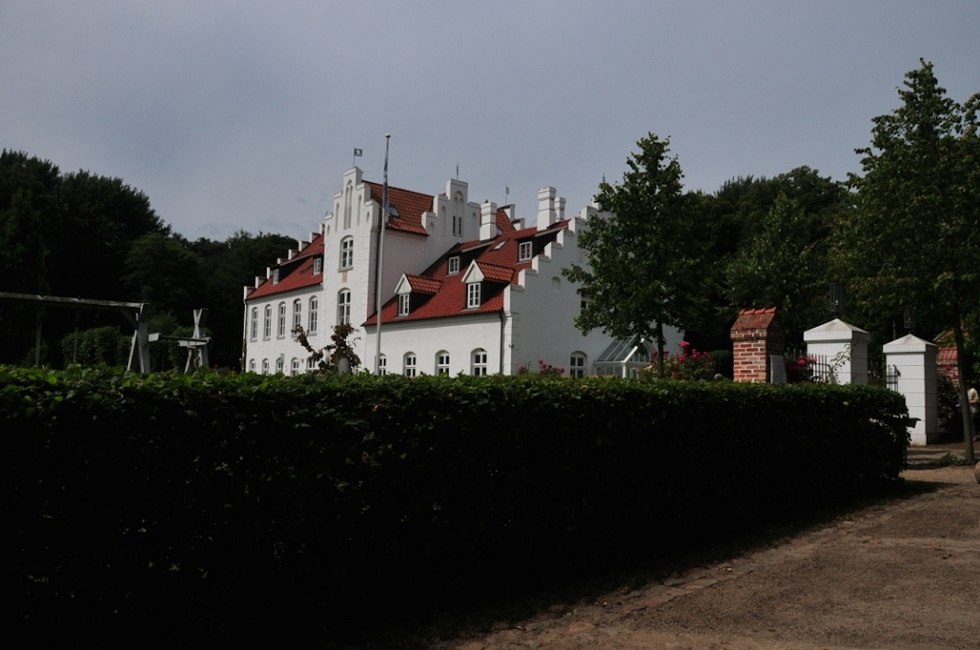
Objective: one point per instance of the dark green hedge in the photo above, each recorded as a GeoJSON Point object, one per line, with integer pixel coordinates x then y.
{"type": "Point", "coordinates": [215, 505]}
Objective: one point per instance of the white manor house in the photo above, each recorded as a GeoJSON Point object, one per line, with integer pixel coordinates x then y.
{"type": "Point", "coordinates": [465, 288]}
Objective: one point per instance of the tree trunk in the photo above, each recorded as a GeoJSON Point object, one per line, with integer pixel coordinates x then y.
{"type": "Point", "coordinates": [965, 413]}
{"type": "Point", "coordinates": [660, 350]}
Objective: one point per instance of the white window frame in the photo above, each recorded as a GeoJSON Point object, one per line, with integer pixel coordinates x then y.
{"type": "Point", "coordinates": [265, 366]}
{"type": "Point", "coordinates": [254, 330]}
{"type": "Point", "coordinates": [297, 313]}
{"type": "Point", "coordinates": [343, 307]}
{"type": "Point", "coordinates": [524, 251]}
{"type": "Point", "coordinates": [281, 329]}
{"type": "Point", "coordinates": [317, 265]}
{"type": "Point", "coordinates": [442, 362]}
{"type": "Point", "coordinates": [267, 322]}
{"type": "Point", "coordinates": [313, 315]}
{"type": "Point", "coordinates": [478, 362]}
{"type": "Point", "coordinates": [382, 365]}
{"type": "Point", "coordinates": [453, 265]}
{"type": "Point", "coordinates": [346, 253]}
{"type": "Point", "coordinates": [275, 276]}
{"type": "Point", "coordinates": [409, 364]}
{"type": "Point", "coordinates": [280, 365]}
{"type": "Point", "coordinates": [576, 364]}
{"type": "Point", "coordinates": [473, 295]}
{"type": "Point", "coordinates": [404, 304]}
{"type": "Point", "coordinates": [294, 367]}
{"type": "Point", "coordinates": [251, 365]}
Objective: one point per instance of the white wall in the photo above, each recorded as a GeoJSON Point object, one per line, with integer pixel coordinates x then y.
{"type": "Point", "coordinates": [457, 336]}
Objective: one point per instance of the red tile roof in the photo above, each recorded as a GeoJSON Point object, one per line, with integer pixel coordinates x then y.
{"type": "Point", "coordinates": [295, 273]}
{"type": "Point", "coordinates": [408, 205]}
{"type": "Point", "coordinates": [422, 284]}
{"type": "Point", "coordinates": [497, 259]}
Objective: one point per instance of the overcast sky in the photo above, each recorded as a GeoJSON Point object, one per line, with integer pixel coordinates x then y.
{"type": "Point", "coordinates": [244, 115]}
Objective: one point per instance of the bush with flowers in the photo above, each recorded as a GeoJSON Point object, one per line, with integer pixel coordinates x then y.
{"type": "Point", "coordinates": [799, 370]}
{"type": "Point", "coordinates": [689, 364]}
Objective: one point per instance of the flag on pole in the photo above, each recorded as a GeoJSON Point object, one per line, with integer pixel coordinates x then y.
{"type": "Point", "coordinates": [358, 152]}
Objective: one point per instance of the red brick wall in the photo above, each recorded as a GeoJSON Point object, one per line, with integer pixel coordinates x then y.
{"type": "Point", "coordinates": [755, 336]}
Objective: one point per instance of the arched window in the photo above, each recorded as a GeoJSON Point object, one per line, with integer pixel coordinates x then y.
{"type": "Point", "coordinates": [346, 253]}
{"type": "Point", "coordinates": [314, 304]}
{"type": "Point", "coordinates": [294, 367]}
{"type": "Point", "coordinates": [280, 362]}
{"type": "Point", "coordinates": [343, 307]}
{"type": "Point", "coordinates": [265, 366]}
{"type": "Point", "coordinates": [408, 363]}
{"type": "Point", "coordinates": [267, 322]}
{"type": "Point", "coordinates": [442, 362]}
{"type": "Point", "coordinates": [297, 313]}
{"type": "Point", "coordinates": [382, 365]}
{"type": "Point", "coordinates": [478, 362]}
{"type": "Point", "coordinates": [254, 332]}
{"type": "Point", "coordinates": [576, 365]}
{"type": "Point", "coordinates": [251, 365]}
{"type": "Point", "coordinates": [281, 330]}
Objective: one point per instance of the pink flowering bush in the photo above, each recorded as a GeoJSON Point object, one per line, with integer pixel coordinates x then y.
{"type": "Point", "coordinates": [689, 364]}
{"type": "Point", "coordinates": [544, 368]}
{"type": "Point", "coordinates": [799, 370]}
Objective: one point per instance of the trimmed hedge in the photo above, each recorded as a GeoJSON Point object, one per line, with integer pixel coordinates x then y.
{"type": "Point", "coordinates": [224, 505]}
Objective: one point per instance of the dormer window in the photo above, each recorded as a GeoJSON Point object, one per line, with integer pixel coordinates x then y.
{"type": "Point", "coordinates": [317, 265]}
{"type": "Point", "coordinates": [454, 265]}
{"type": "Point", "coordinates": [404, 304]}
{"type": "Point", "coordinates": [524, 251]}
{"type": "Point", "coordinates": [275, 276]}
{"type": "Point", "coordinates": [472, 295]}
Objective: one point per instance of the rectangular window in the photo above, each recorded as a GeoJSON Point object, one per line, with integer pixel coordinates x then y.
{"type": "Point", "coordinates": [409, 365]}
{"type": "Point", "coordinates": [275, 276]}
{"type": "Point", "coordinates": [442, 363]}
{"type": "Point", "coordinates": [382, 365]}
{"type": "Point", "coordinates": [404, 304]}
{"type": "Point", "coordinates": [281, 330]}
{"type": "Point", "coordinates": [454, 265]}
{"type": "Point", "coordinates": [255, 323]}
{"type": "Point", "coordinates": [343, 307]}
{"type": "Point", "coordinates": [576, 365]}
{"type": "Point", "coordinates": [479, 365]}
{"type": "Point", "coordinates": [524, 251]}
{"type": "Point", "coordinates": [347, 254]}
{"type": "Point", "coordinates": [267, 322]}
{"type": "Point", "coordinates": [314, 303]}
{"type": "Point", "coordinates": [297, 314]}
{"type": "Point", "coordinates": [317, 265]}
{"type": "Point", "coordinates": [472, 295]}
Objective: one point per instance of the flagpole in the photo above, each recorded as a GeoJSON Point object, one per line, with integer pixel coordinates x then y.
{"type": "Point", "coordinates": [377, 280]}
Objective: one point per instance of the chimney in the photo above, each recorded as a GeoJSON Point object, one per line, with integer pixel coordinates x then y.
{"type": "Point", "coordinates": [488, 220]}
{"type": "Point", "coordinates": [546, 207]}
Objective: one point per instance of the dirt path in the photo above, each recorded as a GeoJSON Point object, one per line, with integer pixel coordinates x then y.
{"type": "Point", "coordinates": [904, 574]}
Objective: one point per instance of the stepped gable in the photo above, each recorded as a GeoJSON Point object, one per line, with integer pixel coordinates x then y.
{"type": "Point", "coordinates": [496, 258]}
{"type": "Point", "coordinates": [407, 207]}
{"type": "Point", "coordinates": [295, 272]}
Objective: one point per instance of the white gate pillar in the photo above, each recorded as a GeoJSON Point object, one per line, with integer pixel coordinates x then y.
{"type": "Point", "coordinates": [913, 361]}
{"type": "Point", "coordinates": [843, 347]}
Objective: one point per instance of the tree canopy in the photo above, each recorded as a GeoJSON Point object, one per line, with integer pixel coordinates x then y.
{"type": "Point", "coordinates": [914, 238]}
{"type": "Point", "coordinates": [644, 258]}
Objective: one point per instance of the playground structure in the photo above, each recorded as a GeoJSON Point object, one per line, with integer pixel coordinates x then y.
{"type": "Point", "coordinates": [136, 314]}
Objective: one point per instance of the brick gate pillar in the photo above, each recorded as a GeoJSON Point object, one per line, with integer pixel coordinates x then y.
{"type": "Point", "coordinates": [756, 339]}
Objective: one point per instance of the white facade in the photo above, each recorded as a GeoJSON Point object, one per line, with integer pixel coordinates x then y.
{"type": "Point", "coordinates": [466, 287]}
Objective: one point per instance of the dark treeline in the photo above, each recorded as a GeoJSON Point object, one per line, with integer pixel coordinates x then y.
{"type": "Point", "coordinates": [82, 235]}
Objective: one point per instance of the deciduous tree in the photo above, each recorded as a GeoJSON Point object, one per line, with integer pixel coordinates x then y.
{"type": "Point", "coordinates": [914, 239]}
{"type": "Point", "coordinates": [644, 257]}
